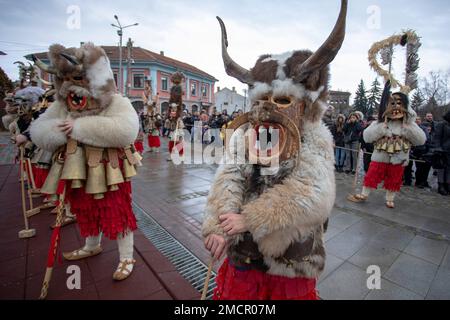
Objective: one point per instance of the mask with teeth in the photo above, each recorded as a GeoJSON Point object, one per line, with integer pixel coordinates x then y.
{"type": "Point", "coordinates": [397, 107]}
{"type": "Point", "coordinates": [83, 78]}
{"type": "Point", "coordinates": [287, 92]}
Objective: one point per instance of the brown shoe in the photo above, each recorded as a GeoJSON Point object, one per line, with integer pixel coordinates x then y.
{"type": "Point", "coordinates": [124, 269]}
{"type": "Point", "coordinates": [390, 204]}
{"type": "Point", "coordinates": [81, 254]}
{"type": "Point", "coordinates": [357, 198]}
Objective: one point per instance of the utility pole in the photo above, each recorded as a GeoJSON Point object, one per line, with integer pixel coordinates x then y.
{"type": "Point", "coordinates": [120, 34]}
{"type": "Point", "coordinates": [245, 100]}
{"type": "Point", "coordinates": [129, 48]}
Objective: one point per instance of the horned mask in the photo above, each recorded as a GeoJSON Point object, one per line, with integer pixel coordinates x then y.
{"type": "Point", "coordinates": [83, 78]}
{"type": "Point", "coordinates": [286, 91]}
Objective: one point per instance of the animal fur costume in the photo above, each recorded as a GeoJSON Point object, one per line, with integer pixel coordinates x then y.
{"type": "Point", "coordinates": [393, 135]}
{"type": "Point", "coordinates": [285, 208]}
{"type": "Point", "coordinates": [151, 122]}
{"type": "Point", "coordinates": [11, 112]}
{"type": "Point", "coordinates": [96, 160]}
{"type": "Point", "coordinates": [396, 131]}
{"type": "Point", "coordinates": [175, 124]}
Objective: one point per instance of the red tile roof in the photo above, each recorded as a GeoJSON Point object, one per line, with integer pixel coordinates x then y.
{"type": "Point", "coordinates": [139, 54]}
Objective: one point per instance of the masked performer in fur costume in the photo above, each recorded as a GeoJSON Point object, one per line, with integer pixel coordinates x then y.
{"type": "Point", "coordinates": [393, 135]}
{"type": "Point", "coordinates": [91, 129]}
{"type": "Point", "coordinates": [396, 130]}
{"type": "Point", "coordinates": [175, 124]}
{"type": "Point", "coordinates": [152, 122]}
{"type": "Point", "coordinates": [272, 219]}
{"type": "Point", "coordinates": [11, 112]}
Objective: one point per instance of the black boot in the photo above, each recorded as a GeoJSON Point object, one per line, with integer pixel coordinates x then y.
{"type": "Point", "coordinates": [442, 190]}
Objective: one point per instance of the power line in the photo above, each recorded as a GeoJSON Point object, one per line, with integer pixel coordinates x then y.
{"type": "Point", "coordinates": [22, 44]}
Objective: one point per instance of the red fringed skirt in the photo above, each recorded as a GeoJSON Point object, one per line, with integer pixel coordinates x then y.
{"type": "Point", "coordinates": [40, 175]}
{"type": "Point", "coordinates": [111, 215]}
{"type": "Point", "coordinates": [391, 174]}
{"type": "Point", "coordinates": [139, 145]}
{"type": "Point", "coordinates": [233, 284]}
{"type": "Point", "coordinates": [154, 141]}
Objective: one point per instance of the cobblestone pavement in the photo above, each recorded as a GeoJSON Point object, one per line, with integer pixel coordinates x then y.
{"type": "Point", "coordinates": [409, 245]}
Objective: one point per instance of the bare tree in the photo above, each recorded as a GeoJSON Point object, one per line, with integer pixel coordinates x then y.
{"type": "Point", "coordinates": [435, 91]}
{"type": "Point", "coordinates": [435, 85]}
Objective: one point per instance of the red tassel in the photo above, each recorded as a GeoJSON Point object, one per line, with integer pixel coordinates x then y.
{"type": "Point", "coordinates": [54, 244]}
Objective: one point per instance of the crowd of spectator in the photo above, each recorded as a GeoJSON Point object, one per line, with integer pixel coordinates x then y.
{"type": "Point", "coordinates": [431, 158]}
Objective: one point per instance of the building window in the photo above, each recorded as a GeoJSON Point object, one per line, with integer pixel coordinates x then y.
{"type": "Point", "coordinates": [164, 83]}
{"type": "Point", "coordinates": [193, 89]}
{"type": "Point", "coordinates": [204, 90]}
{"type": "Point", "coordinates": [138, 81]}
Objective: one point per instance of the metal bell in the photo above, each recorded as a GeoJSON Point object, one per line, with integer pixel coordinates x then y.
{"type": "Point", "coordinates": [76, 184]}
{"type": "Point", "coordinates": [384, 146]}
{"type": "Point", "coordinates": [128, 169]}
{"type": "Point", "coordinates": [51, 183]}
{"type": "Point", "coordinates": [113, 177]}
{"type": "Point", "coordinates": [406, 146]}
{"type": "Point", "coordinates": [398, 146]}
{"type": "Point", "coordinates": [96, 181]}
{"type": "Point", "coordinates": [390, 148]}
{"type": "Point", "coordinates": [138, 158]}
{"type": "Point", "coordinates": [75, 167]}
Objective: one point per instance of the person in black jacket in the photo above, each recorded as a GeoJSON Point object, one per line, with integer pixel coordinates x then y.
{"type": "Point", "coordinates": [441, 143]}
{"type": "Point", "coordinates": [352, 134]}
{"type": "Point", "coordinates": [338, 136]}
{"type": "Point", "coordinates": [418, 153]}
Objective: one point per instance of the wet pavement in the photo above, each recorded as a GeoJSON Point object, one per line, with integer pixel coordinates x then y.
{"type": "Point", "coordinates": [408, 245]}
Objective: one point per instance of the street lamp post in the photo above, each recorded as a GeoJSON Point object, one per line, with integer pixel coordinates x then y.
{"type": "Point", "coordinates": [245, 100]}
{"type": "Point", "coordinates": [120, 34]}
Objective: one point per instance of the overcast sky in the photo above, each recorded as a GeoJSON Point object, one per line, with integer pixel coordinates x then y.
{"type": "Point", "coordinates": [188, 31]}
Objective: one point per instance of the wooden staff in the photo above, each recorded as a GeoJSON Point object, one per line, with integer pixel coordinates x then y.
{"type": "Point", "coordinates": [52, 252]}
{"type": "Point", "coordinates": [208, 277]}
{"type": "Point", "coordinates": [355, 180]}
{"type": "Point", "coordinates": [31, 186]}
{"type": "Point", "coordinates": [30, 173]}
{"type": "Point", "coordinates": [27, 232]}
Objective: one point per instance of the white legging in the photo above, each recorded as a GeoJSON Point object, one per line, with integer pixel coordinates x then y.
{"type": "Point", "coordinates": [390, 195]}
{"type": "Point", "coordinates": [125, 244]}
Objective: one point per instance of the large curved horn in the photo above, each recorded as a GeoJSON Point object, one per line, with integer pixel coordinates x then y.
{"type": "Point", "coordinates": [329, 49]}
{"type": "Point", "coordinates": [231, 67]}
{"type": "Point", "coordinates": [72, 59]}
{"type": "Point", "coordinates": [41, 65]}
{"type": "Point", "coordinates": [20, 62]}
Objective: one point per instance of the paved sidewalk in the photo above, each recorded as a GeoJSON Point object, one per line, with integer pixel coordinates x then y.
{"type": "Point", "coordinates": [23, 261]}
